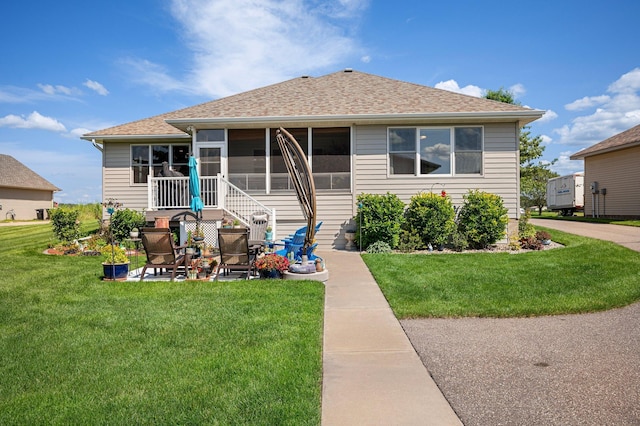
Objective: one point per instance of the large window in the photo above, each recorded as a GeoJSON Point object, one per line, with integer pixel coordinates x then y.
{"type": "Point", "coordinates": [247, 160]}
{"type": "Point", "coordinates": [148, 159]}
{"type": "Point", "coordinates": [435, 151]}
{"type": "Point", "coordinates": [331, 158]}
{"type": "Point", "coordinates": [280, 179]}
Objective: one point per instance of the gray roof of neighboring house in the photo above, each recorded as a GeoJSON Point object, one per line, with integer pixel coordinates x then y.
{"type": "Point", "coordinates": [344, 95]}
{"type": "Point", "coordinates": [626, 139]}
{"type": "Point", "coordinates": [14, 174]}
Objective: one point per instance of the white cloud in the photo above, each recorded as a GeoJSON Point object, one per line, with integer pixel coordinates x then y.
{"type": "Point", "coordinates": [587, 102]}
{"type": "Point", "coordinates": [546, 140]}
{"type": "Point", "coordinates": [35, 120]}
{"type": "Point", "coordinates": [617, 111]}
{"type": "Point", "coordinates": [52, 90]}
{"type": "Point", "coordinates": [97, 87]}
{"type": "Point", "coordinates": [452, 86]}
{"type": "Point", "coordinates": [549, 115]}
{"type": "Point", "coordinates": [237, 45]}
{"type": "Point", "coordinates": [565, 166]}
{"type": "Point", "coordinates": [366, 59]}
{"type": "Point", "coordinates": [517, 90]}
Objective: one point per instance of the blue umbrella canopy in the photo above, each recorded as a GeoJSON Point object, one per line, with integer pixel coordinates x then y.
{"type": "Point", "coordinates": [194, 186]}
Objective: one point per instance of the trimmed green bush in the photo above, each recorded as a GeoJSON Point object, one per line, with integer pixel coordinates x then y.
{"type": "Point", "coordinates": [65, 224]}
{"type": "Point", "coordinates": [409, 241]}
{"type": "Point", "coordinates": [380, 218]}
{"type": "Point", "coordinates": [431, 217]}
{"type": "Point", "coordinates": [483, 219]}
{"type": "Point", "coordinates": [123, 221]}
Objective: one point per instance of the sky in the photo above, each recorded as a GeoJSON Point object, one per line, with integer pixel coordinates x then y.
{"type": "Point", "coordinates": [74, 66]}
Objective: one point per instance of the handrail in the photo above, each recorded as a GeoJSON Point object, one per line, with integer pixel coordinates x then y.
{"type": "Point", "coordinates": [215, 192]}
{"type": "Point", "coordinates": [242, 206]}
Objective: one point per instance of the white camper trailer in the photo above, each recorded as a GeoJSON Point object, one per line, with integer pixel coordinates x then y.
{"type": "Point", "coordinates": [566, 194]}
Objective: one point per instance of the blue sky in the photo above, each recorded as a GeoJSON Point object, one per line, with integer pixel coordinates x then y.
{"type": "Point", "coordinates": [74, 66]}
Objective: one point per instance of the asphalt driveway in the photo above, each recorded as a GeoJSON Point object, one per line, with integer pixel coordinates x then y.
{"type": "Point", "coordinates": [555, 370]}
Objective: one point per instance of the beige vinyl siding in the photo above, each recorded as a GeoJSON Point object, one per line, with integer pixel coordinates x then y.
{"type": "Point", "coordinates": [24, 202]}
{"type": "Point", "coordinates": [334, 210]}
{"type": "Point", "coordinates": [500, 168]}
{"type": "Point", "coordinates": [116, 175]}
{"type": "Point", "coordinates": [619, 173]}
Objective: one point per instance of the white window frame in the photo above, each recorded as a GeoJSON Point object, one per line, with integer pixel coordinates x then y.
{"type": "Point", "coordinates": [452, 152]}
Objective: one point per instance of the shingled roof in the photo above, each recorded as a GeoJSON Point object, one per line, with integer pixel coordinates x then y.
{"type": "Point", "coordinates": [342, 95]}
{"type": "Point", "coordinates": [14, 174]}
{"type": "Point", "coordinates": [626, 139]}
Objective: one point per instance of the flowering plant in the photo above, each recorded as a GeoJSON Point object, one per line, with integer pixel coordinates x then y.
{"type": "Point", "coordinates": [272, 262]}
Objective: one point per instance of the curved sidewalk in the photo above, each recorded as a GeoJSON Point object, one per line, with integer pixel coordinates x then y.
{"type": "Point", "coordinates": [371, 373]}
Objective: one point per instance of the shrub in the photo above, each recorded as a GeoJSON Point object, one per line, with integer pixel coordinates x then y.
{"type": "Point", "coordinates": [483, 219]}
{"type": "Point", "coordinates": [409, 241]}
{"type": "Point", "coordinates": [379, 247]}
{"type": "Point", "coordinates": [431, 217]}
{"type": "Point", "coordinates": [65, 224]}
{"type": "Point", "coordinates": [123, 221]}
{"type": "Point", "coordinates": [531, 243]}
{"type": "Point", "coordinates": [459, 241]}
{"type": "Point", "coordinates": [113, 254]}
{"type": "Point", "coordinates": [526, 229]}
{"type": "Point", "coordinates": [379, 218]}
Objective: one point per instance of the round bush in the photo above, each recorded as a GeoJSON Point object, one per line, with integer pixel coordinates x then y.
{"type": "Point", "coordinates": [379, 247]}
{"type": "Point", "coordinates": [380, 218]}
{"type": "Point", "coordinates": [123, 221]}
{"type": "Point", "coordinates": [483, 219]}
{"type": "Point", "coordinates": [430, 216]}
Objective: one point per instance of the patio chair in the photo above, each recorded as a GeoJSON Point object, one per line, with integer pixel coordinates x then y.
{"type": "Point", "coordinates": [161, 251]}
{"type": "Point", "coordinates": [259, 223]}
{"type": "Point", "coordinates": [234, 251]}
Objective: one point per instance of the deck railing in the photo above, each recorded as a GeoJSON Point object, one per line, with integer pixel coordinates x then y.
{"type": "Point", "coordinates": [215, 192]}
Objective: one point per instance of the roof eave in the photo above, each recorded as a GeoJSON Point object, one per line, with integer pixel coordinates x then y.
{"type": "Point", "coordinates": [522, 117]}
{"type": "Point", "coordinates": [581, 155]}
{"type": "Point", "coordinates": [129, 137]}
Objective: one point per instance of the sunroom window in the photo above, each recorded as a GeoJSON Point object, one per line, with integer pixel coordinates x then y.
{"type": "Point", "coordinates": [247, 160]}
{"type": "Point", "coordinates": [435, 150]}
{"type": "Point", "coordinates": [146, 159]}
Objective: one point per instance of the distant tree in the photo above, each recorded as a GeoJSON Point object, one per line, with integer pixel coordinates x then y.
{"type": "Point", "coordinates": [534, 172]}
{"type": "Point", "coordinates": [501, 95]}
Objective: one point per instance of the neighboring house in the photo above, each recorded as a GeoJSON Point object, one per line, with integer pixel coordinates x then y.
{"type": "Point", "coordinates": [611, 176]}
{"type": "Point", "coordinates": [23, 191]}
{"type": "Point", "coordinates": [362, 134]}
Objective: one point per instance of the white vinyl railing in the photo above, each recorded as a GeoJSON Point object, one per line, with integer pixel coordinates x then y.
{"type": "Point", "coordinates": [215, 192]}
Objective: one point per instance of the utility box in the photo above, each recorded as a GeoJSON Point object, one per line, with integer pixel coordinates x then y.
{"type": "Point", "coordinates": [565, 194]}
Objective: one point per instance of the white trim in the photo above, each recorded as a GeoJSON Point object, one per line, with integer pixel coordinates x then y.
{"type": "Point", "coordinates": [416, 170]}
{"type": "Point", "coordinates": [523, 117]}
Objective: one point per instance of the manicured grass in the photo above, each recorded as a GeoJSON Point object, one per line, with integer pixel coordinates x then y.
{"type": "Point", "coordinates": [587, 275]}
{"type": "Point", "coordinates": [78, 350]}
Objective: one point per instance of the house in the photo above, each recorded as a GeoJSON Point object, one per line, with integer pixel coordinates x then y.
{"type": "Point", "coordinates": [362, 133]}
{"type": "Point", "coordinates": [611, 176]}
{"type": "Point", "coordinates": [22, 191]}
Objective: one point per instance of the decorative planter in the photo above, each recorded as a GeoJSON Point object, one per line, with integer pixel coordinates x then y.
{"type": "Point", "coordinates": [133, 234]}
{"type": "Point", "coordinates": [350, 236]}
{"type": "Point", "coordinates": [115, 272]}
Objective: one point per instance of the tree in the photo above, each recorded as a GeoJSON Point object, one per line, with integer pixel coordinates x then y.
{"type": "Point", "coordinates": [534, 173]}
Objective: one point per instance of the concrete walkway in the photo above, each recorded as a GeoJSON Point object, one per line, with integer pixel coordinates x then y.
{"type": "Point", "coordinates": [372, 374]}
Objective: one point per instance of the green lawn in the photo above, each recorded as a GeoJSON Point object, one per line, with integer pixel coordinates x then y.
{"type": "Point", "coordinates": [587, 275]}
{"type": "Point", "coordinates": [78, 350]}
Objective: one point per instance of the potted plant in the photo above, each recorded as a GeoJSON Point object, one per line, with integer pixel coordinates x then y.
{"type": "Point", "coordinates": [236, 223]}
{"type": "Point", "coordinates": [544, 237]}
{"type": "Point", "coordinates": [268, 234]}
{"type": "Point", "coordinates": [227, 223]}
{"type": "Point", "coordinates": [350, 236]}
{"type": "Point", "coordinates": [272, 266]}
{"type": "Point", "coordinates": [134, 233]}
{"type": "Point", "coordinates": [190, 245]}
{"type": "Point", "coordinates": [115, 265]}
